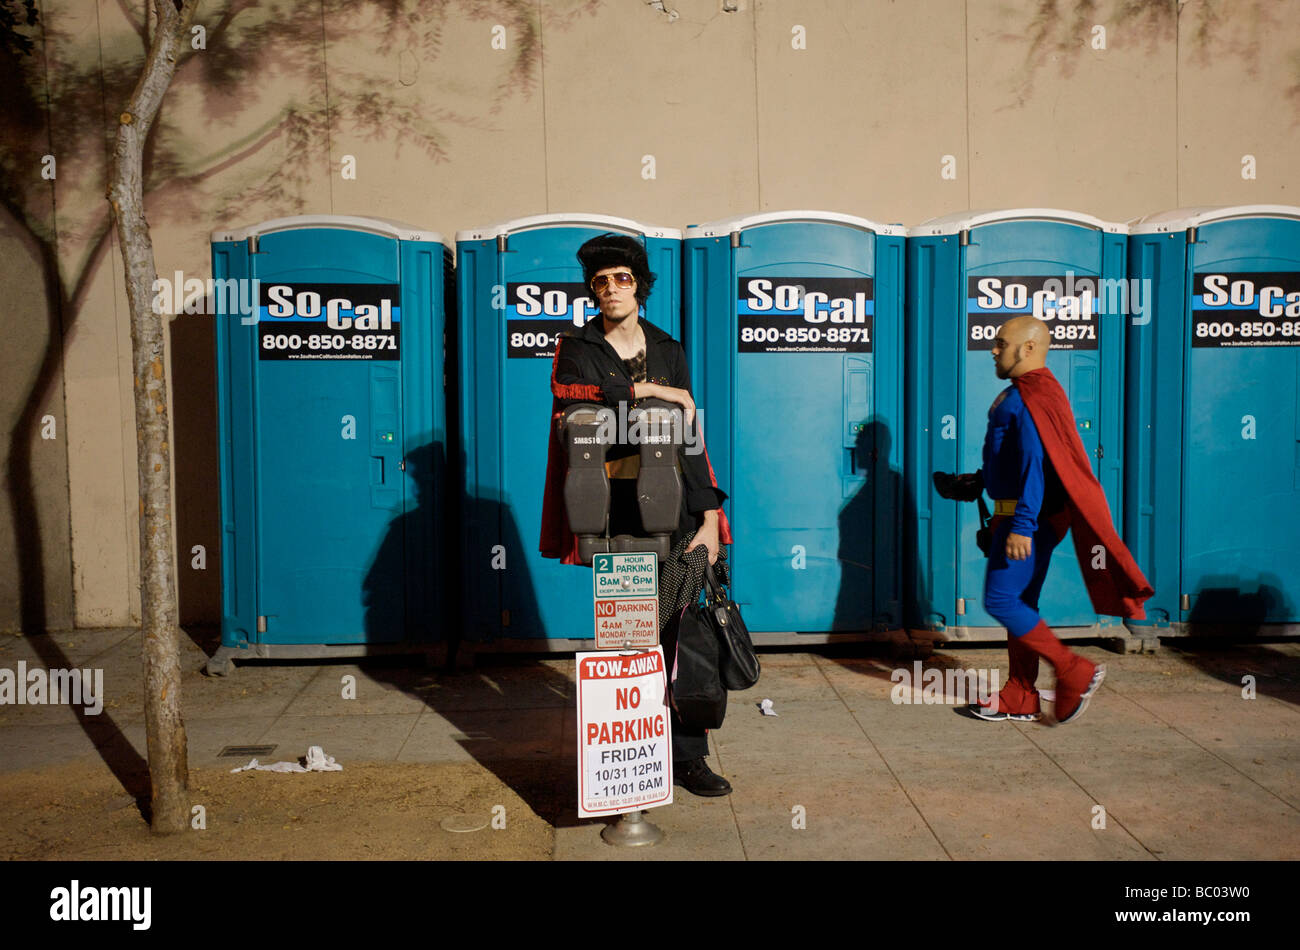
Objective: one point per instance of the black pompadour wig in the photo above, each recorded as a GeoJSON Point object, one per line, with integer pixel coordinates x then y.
{"type": "Point", "coordinates": [617, 250]}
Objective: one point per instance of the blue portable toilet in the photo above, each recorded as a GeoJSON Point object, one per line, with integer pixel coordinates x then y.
{"type": "Point", "coordinates": [967, 274]}
{"type": "Point", "coordinates": [1213, 478]}
{"type": "Point", "coordinates": [794, 336]}
{"type": "Point", "coordinates": [332, 428]}
{"type": "Point", "coordinates": [520, 286]}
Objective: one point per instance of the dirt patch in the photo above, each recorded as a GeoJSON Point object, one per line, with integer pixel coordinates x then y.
{"type": "Point", "coordinates": [79, 812]}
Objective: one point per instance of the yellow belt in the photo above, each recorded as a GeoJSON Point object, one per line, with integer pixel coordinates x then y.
{"type": "Point", "coordinates": [629, 466]}
{"type": "Point", "coordinates": [1005, 506]}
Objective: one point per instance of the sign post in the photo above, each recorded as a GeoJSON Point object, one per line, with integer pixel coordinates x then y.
{"type": "Point", "coordinates": [624, 732]}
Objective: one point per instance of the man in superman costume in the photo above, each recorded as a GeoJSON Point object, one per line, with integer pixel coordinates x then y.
{"type": "Point", "coordinates": [1038, 473]}
{"type": "Point", "coordinates": [618, 358]}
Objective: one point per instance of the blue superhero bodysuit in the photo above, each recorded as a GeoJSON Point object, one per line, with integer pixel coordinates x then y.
{"type": "Point", "coordinates": [1015, 466]}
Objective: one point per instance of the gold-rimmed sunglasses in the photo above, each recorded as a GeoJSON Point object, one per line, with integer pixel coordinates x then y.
{"type": "Point", "coordinates": [622, 279]}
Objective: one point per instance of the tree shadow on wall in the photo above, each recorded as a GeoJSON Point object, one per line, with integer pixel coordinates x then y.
{"type": "Point", "coordinates": [1066, 32]}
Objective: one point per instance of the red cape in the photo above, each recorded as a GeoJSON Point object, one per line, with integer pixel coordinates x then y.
{"type": "Point", "coordinates": [1119, 588]}
{"type": "Point", "coordinates": [557, 539]}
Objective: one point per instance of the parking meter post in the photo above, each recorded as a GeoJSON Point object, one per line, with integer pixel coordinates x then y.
{"type": "Point", "coordinates": [625, 583]}
{"type": "Point", "coordinates": [631, 831]}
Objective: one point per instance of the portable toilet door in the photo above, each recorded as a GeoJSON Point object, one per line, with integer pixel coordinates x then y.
{"type": "Point", "coordinates": [1214, 426]}
{"type": "Point", "coordinates": [332, 435]}
{"type": "Point", "coordinates": [520, 287]}
{"type": "Point", "coordinates": [794, 336]}
{"type": "Point", "coordinates": [967, 274]}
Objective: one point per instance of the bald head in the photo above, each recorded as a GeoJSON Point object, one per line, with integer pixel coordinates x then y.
{"type": "Point", "coordinates": [1021, 345]}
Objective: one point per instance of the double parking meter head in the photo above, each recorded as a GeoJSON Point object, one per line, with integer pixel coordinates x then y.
{"type": "Point", "coordinates": [640, 443]}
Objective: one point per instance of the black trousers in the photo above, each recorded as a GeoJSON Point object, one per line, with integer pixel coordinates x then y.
{"type": "Point", "coordinates": [687, 743]}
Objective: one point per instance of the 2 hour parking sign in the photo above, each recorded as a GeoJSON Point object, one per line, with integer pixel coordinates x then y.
{"type": "Point", "coordinates": [626, 587]}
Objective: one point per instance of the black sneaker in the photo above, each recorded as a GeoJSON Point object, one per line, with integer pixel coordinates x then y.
{"type": "Point", "coordinates": [992, 714]}
{"type": "Point", "coordinates": [697, 778]}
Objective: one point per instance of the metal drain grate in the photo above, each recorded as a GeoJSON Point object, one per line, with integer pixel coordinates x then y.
{"type": "Point", "coordinates": [242, 751]}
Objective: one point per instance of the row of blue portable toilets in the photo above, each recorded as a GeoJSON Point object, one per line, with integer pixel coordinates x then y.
{"type": "Point", "coordinates": [384, 418]}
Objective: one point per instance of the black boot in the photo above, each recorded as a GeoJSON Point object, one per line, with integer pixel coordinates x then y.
{"type": "Point", "coordinates": [697, 778]}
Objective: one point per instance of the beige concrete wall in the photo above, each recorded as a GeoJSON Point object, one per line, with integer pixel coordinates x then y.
{"type": "Point", "coordinates": [1073, 112]}
{"type": "Point", "coordinates": [647, 117]}
{"type": "Point", "coordinates": [35, 555]}
{"type": "Point", "coordinates": [858, 103]}
{"type": "Point", "coordinates": [97, 333]}
{"type": "Point", "coordinates": [1239, 98]}
{"type": "Point", "coordinates": [466, 112]}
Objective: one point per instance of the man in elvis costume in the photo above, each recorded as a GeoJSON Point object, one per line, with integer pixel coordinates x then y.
{"type": "Point", "coordinates": [1038, 473]}
{"type": "Point", "coordinates": [621, 359]}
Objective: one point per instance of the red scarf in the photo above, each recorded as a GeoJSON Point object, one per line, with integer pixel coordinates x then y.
{"type": "Point", "coordinates": [1119, 588]}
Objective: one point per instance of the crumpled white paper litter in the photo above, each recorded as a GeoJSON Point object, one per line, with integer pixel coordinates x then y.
{"type": "Point", "coordinates": [317, 761]}
{"type": "Point", "coordinates": [765, 707]}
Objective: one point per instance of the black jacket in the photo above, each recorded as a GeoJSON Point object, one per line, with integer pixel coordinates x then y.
{"type": "Point", "coordinates": [587, 369]}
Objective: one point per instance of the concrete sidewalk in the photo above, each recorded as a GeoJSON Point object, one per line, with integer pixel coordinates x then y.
{"type": "Point", "coordinates": [1171, 755]}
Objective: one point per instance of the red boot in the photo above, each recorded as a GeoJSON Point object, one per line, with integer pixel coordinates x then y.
{"type": "Point", "coordinates": [1018, 700]}
{"type": "Point", "coordinates": [1024, 670]}
{"type": "Point", "coordinates": [1076, 678]}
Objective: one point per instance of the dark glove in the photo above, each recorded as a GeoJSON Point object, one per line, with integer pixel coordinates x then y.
{"type": "Point", "coordinates": [959, 487]}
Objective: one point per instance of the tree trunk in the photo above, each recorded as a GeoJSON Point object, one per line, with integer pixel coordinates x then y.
{"type": "Point", "coordinates": [164, 728]}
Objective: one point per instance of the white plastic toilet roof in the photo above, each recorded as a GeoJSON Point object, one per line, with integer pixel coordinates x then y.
{"type": "Point", "coordinates": [1180, 219]}
{"type": "Point", "coordinates": [965, 220]}
{"type": "Point", "coordinates": [743, 221]}
{"type": "Point", "coordinates": [566, 219]}
{"type": "Point", "coordinates": [394, 229]}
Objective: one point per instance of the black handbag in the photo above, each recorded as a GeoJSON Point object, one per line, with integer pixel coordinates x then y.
{"type": "Point", "coordinates": [697, 692]}
{"type": "Point", "coordinates": [738, 665]}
